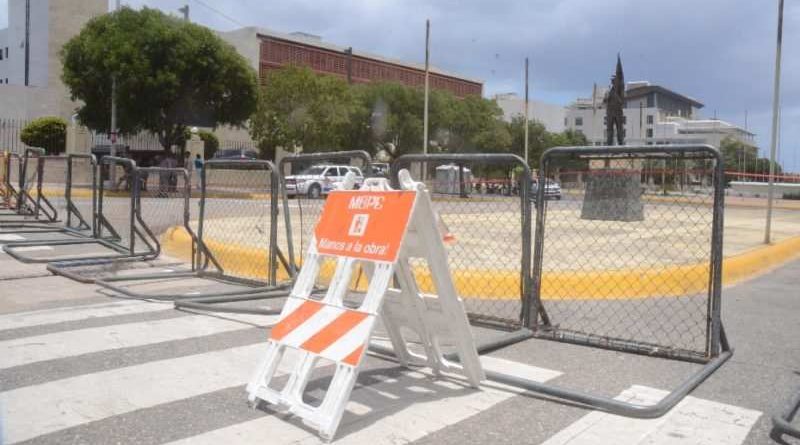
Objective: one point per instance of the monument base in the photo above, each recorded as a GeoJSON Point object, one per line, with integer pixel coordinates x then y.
{"type": "Point", "coordinates": [613, 195]}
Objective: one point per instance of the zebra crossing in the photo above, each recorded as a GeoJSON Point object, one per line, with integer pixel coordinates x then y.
{"type": "Point", "coordinates": [121, 371]}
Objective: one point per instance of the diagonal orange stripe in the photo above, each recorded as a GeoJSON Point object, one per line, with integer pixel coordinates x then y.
{"type": "Point", "coordinates": [353, 357]}
{"type": "Point", "coordinates": [295, 319]}
{"type": "Point", "coordinates": [333, 331]}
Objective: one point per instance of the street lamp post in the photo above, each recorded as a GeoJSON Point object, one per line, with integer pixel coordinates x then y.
{"type": "Point", "coordinates": [774, 139]}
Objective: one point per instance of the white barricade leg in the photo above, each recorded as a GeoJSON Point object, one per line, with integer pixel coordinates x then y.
{"type": "Point", "coordinates": [315, 332]}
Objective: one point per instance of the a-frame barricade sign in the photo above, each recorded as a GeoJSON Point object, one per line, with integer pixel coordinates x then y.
{"type": "Point", "coordinates": [381, 230]}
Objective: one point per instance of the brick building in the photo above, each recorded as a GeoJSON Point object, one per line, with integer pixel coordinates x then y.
{"type": "Point", "coordinates": [267, 50]}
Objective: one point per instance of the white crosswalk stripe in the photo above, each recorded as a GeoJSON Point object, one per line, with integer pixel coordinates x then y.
{"type": "Point", "coordinates": [692, 421]}
{"type": "Point", "coordinates": [27, 350]}
{"type": "Point", "coordinates": [75, 313]}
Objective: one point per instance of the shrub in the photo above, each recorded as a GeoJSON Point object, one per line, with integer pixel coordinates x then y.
{"type": "Point", "coordinates": [211, 143]}
{"type": "Point", "coordinates": [48, 132]}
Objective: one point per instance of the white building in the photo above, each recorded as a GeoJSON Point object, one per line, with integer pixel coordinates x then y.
{"type": "Point", "coordinates": [652, 115]}
{"type": "Point", "coordinates": [549, 115]}
{"type": "Point", "coordinates": [30, 63]}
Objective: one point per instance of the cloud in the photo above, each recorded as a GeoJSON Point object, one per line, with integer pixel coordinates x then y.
{"type": "Point", "coordinates": [718, 51]}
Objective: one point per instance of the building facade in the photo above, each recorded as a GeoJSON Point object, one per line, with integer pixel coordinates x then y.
{"type": "Point", "coordinates": [267, 50]}
{"type": "Point", "coordinates": [549, 115]}
{"type": "Point", "coordinates": [30, 66]}
{"type": "Point", "coordinates": [653, 115]}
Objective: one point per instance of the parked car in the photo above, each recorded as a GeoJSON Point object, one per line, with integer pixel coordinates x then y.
{"type": "Point", "coordinates": [552, 190]}
{"type": "Point", "coordinates": [319, 180]}
{"type": "Point", "coordinates": [236, 153]}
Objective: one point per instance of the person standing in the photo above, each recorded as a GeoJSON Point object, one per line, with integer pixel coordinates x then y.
{"type": "Point", "coordinates": [198, 168]}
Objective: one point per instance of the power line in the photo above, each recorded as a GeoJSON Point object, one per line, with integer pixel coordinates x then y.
{"type": "Point", "coordinates": [218, 12]}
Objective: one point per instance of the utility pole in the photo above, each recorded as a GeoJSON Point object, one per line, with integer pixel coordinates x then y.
{"type": "Point", "coordinates": [27, 42]}
{"type": "Point", "coordinates": [113, 129]}
{"type": "Point", "coordinates": [526, 111]}
{"type": "Point", "coordinates": [774, 140]}
{"type": "Point", "coordinates": [185, 11]}
{"type": "Point", "coordinates": [427, 86]}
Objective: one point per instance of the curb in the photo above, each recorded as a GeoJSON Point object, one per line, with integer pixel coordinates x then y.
{"type": "Point", "coordinates": [639, 283]}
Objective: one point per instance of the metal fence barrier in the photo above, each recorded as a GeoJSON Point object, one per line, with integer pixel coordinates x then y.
{"type": "Point", "coordinates": [782, 423]}
{"type": "Point", "coordinates": [303, 210]}
{"type": "Point", "coordinates": [118, 226]}
{"type": "Point", "coordinates": [7, 192]}
{"type": "Point", "coordinates": [630, 257]}
{"type": "Point", "coordinates": [484, 205]}
{"type": "Point", "coordinates": [21, 187]}
{"type": "Point", "coordinates": [162, 204]}
{"type": "Point", "coordinates": [13, 169]}
{"type": "Point", "coordinates": [65, 186]}
{"type": "Point", "coordinates": [234, 253]}
{"type": "Point", "coordinates": [585, 284]}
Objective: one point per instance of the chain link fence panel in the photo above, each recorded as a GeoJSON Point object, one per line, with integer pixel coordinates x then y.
{"type": "Point", "coordinates": [307, 179]}
{"type": "Point", "coordinates": [628, 249]}
{"type": "Point", "coordinates": [485, 211]}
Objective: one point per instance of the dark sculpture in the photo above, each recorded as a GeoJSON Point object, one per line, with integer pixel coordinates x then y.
{"type": "Point", "coordinates": [613, 192]}
{"type": "Point", "coordinates": [615, 105]}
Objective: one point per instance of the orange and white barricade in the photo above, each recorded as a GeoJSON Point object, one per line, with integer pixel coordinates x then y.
{"type": "Point", "coordinates": [381, 230]}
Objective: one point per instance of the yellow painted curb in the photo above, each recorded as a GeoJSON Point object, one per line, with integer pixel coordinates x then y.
{"type": "Point", "coordinates": [638, 283]}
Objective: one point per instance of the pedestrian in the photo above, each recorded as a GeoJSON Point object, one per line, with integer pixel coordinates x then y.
{"type": "Point", "coordinates": [198, 168]}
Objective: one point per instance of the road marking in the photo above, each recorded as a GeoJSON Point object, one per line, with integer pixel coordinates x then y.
{"type": "Point", "coordinates": [372, 416]}
{"type": "Point", "coordinates": [74, 313]}
{"type": "Point", "coordinates": [25, 350]}
{"type": "Point", "coordinates": [41, 409]}
{"type": "Point", "coordinates": [31, 248]}
{"type": "Point", "coordinates": [692, 421]}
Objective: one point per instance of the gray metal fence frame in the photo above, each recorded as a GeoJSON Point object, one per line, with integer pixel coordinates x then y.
{"type": "Point", "coordinates": [21, 208]}
{"type": "Point", "coordinates": [72, 268]}
{"type": "Point", "coordinates": [204, 258]}
{"type": "Point", "coordinates": [720, 352]}
{"type": "Point", "coordinates": [72, 212]}
{"type": "Point", "coordinates": [311, 157]}
{"type": "Point", "coordinates": [112, 241]}
{"type": "Point", "coordinates": [782, 423]}
{"type": "Point", "coordinates": [526, 219]}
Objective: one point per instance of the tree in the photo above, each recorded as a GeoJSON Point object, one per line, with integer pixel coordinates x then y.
{"type": "Point", "coordinates": [169, 74]}
{"type": "Point", "coordinates": [47, 132]}
{"type": "Point", "coordinates": [211, 143]}
{"type": "Point", "coordinates": [297, 107]}
{"type": "Point", "coordinates": [537, 138]}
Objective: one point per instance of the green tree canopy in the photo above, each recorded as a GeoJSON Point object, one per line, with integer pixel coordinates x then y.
{"type": "Point", "coordinates": [47, 132]}
{"type": "Point", "coordinates": [169, 74]}
{"type": "Point", "coordinates": [299, 108]}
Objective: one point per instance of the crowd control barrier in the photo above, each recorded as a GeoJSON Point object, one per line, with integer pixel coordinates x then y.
{"type": "Point", "coordinates": [118, 226]}
{"type": "Point", "coordinates": [483, 202]}
{"type": "Point", "coordinates": [603, 270]}
{"type": "Point", "coordinates": [238, 210]}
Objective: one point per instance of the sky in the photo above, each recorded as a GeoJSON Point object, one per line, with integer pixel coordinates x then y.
{"type": "Point", "coordinates": [721, 52]}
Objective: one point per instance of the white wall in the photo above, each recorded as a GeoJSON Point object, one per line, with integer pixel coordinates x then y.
{"type": "Point", "coordinates": [5, 63]}
{"type": "Point", "coordinates": [39, 38]}
{"type": "Point", "coordinates": [549, 115]}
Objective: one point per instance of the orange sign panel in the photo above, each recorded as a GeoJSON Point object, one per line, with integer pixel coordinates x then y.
{"type": "Point", "coordinates": [366, 225]}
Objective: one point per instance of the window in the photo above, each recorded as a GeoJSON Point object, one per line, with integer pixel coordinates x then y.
{"type": "Point", "coordinates": [578, 121]}
{"type": "Point", "coordinates": [649, 132]}
{"type": "Point", "coordinates": [566, 122]}
{"type": "Point", "coordinates": [649, 118]}
{"type": "Point", "coordinates": [333, 171]}
{"type": "Point", "coordinates": [6, 52]}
